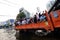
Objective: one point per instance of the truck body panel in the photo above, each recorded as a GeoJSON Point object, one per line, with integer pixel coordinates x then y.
{"type": "Point", "coordinates": [47, 25]}
{"type": "Point", "coordinates": [55, 20]}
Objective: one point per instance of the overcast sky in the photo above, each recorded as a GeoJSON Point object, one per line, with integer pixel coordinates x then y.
{"type": "Point", "coordinates": [10, 8]}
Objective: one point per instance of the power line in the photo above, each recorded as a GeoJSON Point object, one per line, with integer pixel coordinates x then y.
{"type": "Point", "coordinates": [6, 4]}
{"type": "Point", "coordinates": [8, 15]}
{"type": "Point", "coordinates": [10, 2]}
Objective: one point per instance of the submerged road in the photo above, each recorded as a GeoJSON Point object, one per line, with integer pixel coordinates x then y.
{"type": "Point", "coordinates": [7, 34]}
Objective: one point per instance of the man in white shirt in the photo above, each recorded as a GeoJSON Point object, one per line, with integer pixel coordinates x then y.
{"type": "Point", "coordinates": [28, 20]}
{"type": "Point", "coordinates": [23, 21]}
{"type": "Point", "coordinates": [37, 15]}
{"type": "Point", "coordinates": [18, 22]}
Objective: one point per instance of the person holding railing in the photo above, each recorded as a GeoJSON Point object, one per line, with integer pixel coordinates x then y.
{"type": "Point", "coordinates": [17, 23]}
{"type": "Point", "coordinates": [31, 20]}
{"type": "Point", "coordinates": [42, 17]}
{"type": "Point", "coordinates": [23, 21]}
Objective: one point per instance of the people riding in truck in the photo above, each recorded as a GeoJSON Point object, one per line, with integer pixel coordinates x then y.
{"type": "Point", "coordinates": [42, 17]}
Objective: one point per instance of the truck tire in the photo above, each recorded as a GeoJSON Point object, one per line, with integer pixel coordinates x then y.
{"type": "Point", "coordinates": [41, 33]}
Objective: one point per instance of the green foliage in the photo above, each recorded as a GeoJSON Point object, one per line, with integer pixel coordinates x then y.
{"type": "Point", "coordinates": [20, 15]}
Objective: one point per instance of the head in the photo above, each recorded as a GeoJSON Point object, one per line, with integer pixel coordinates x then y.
{"type": "Point", "coordinates": [39, 14]}
{"type": "Point", "coordinates": [36, 13]}
{"type": "Point", "coordinates": [43, 11]}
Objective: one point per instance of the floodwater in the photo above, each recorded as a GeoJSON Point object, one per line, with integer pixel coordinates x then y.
{"type": "Point", "coordinates": [7, 34]}
{"type": "Point", "coordinates": [10, 34]}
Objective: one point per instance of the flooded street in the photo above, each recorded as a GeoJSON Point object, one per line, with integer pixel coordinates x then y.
{"type": "Point", "coordinates": [7, 34]}
{"type": "Point", "coordinates": [29, 19]}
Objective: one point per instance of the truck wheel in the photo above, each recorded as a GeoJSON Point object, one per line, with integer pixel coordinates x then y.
{"type": "Point", "coordinates": [41, 33]}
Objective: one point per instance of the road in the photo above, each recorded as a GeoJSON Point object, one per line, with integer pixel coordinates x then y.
{"type": "Point", "coordinates": [7, 34]}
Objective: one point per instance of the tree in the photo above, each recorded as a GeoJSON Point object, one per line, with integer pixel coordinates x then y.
{"type": "Point", "coordinates": [20, 15]}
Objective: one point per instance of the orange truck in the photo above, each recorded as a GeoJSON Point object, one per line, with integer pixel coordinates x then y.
{"type": "Point", "coordinates": [51, 24]}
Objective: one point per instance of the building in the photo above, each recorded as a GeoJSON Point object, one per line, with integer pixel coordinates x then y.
{"type": "Point", "coordinates": [3, 23]}
{"type": "Point", "coordinates": [10, 21]}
